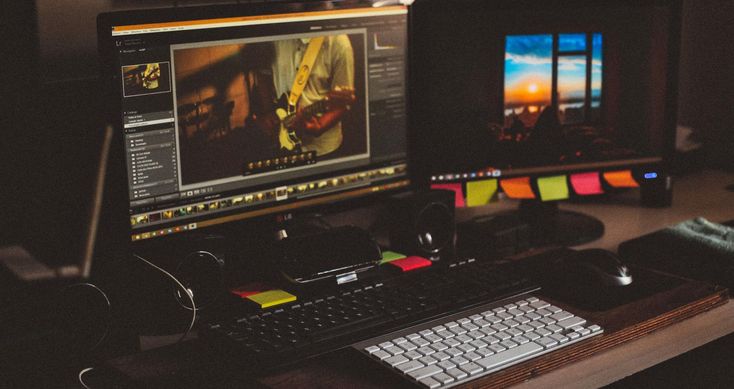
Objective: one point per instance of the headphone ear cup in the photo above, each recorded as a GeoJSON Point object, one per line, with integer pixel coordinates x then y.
{"type": "Point", "coordinates": [423, 224]}
{"type": "Point", "coordinates": [200, 272]}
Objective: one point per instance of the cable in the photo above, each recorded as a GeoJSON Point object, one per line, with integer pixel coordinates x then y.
{"type": "Point", "coordinates": [81, 373]}
{"type": "Point", "coordinates": [186, 292]}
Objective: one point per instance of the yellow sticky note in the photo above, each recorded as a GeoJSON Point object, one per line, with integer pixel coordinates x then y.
{"type": "Point", "coordinates": [480, 192]}
{"type": "Point", "coordinates": [621, 179]}
{"type": "Point", "coordinates": [272, 298]}
{"type": "Point", "coordinates": [518, 188]}
{"type": "Point", "coordinates": [553, 188]}
{"type": "Point", "coordinates": [389, 256]}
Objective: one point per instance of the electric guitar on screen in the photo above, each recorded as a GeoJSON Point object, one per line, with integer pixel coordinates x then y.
{"type": "Point", "coordinates": [287, 137]}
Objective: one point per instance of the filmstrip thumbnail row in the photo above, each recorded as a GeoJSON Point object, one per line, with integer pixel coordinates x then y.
{"type": "Point", "coordinates": [276, 194]}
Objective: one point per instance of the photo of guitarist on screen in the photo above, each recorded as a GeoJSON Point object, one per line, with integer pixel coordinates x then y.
{"type": "Point", "coordinates": [300, 100]}
{"type": "Point", "coordinates": [249, 108]}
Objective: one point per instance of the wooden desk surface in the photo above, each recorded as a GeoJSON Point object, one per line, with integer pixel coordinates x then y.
{"type": "Point", "coordinates": [701, 194]}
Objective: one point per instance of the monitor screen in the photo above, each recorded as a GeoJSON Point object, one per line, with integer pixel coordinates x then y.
{"type": "Point", "coordinates": [545, 87]}
{"type": "Point", "coordinates": [262, 109]}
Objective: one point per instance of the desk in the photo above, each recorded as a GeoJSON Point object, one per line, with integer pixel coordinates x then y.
{"type": "Point", "coordinates": [696, 195]}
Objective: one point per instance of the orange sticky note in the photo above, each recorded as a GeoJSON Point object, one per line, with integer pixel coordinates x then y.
{"type": "Point", "coordinates": [621, 179]}
{"type": "Point", "coordinates": [518, 188]}
{"type": "Point", "coordinates": [456, 187]}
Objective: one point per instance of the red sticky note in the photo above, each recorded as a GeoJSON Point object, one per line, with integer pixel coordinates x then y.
{"type": "Point", "coordinates": [456, 187]}
{"type": "Point", "coordinates": [517, 188]}
{"type": "Point", "coordinates": [250, 289]}
{"type": "Point", "coordinates": [586, 184]}
{"type": "Point", "coordinates": [411, 263]}
{"type": "Point", "coordinates": [621, 179]}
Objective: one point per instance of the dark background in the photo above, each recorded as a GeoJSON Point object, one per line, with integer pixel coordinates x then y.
{"type": "Point", "coordinates": [51, 129]}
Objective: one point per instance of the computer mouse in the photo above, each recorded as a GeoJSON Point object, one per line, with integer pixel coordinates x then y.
{"type": "Point", "coordinates": [596, 265]}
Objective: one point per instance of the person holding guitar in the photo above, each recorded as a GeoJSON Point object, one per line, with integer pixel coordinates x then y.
{"type": "Point", "coordinates": [314, 78]}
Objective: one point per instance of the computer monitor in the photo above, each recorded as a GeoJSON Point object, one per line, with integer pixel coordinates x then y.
{"type": "Point", "coordinates": [546, 89]}
{"type": "Point", "coordinates": [231, 112]}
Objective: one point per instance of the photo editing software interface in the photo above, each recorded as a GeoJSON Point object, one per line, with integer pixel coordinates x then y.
{"type": "Point", "coordinates": [555, 89]}
{"type": "Point", "coordinates": [230, 118]}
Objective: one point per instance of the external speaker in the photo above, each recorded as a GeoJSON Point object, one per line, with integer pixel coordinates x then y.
{"type": "Point", "coordinates": [657, 191]}
{"type": "Point", "coordinates": [423, 224]}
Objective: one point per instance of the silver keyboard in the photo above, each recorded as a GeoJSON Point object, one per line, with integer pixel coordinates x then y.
{"type": "Point", "coordinates": [470, 344]}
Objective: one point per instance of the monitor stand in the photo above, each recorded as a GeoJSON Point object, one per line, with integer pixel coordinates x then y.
{"type": "Point", "coordinates": [552, 226]}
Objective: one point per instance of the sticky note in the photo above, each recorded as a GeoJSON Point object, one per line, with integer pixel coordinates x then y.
{"type": "Point", "coordinates": [411, 263]}
{"type": "Point", "coordinates": [621, 179]}
{"type": "Point", "coordinates": [480, 192]}
{"type": "Point", "coordinates": [517, 188]}
{"type": "Point", "coordinates": [586, 184]}
{"type": "Point", "coordinates": [389, 256]}
{"type": "Point", "coordinates": [272, 298]}
{"type": "Point", "coordinates": [249, 289]}
{"type": "Point", "coordinates": [456, 187]}
{"type": "Point", "coordinates": [553, 188]}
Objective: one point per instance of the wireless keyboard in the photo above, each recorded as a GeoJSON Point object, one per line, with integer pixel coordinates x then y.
{"type": "Point", "coordinates": [462, 347]}
{"type": "Point", "coordinates": [335, 319]}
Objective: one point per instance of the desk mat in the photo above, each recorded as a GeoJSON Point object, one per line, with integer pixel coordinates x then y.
{"type": "Point", "coordinates": [621, 324]}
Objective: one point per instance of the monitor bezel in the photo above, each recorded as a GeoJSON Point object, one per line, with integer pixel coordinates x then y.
{"type": "Point", "coordinates": [115, 229]}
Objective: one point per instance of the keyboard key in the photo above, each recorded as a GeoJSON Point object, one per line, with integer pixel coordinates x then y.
{"type": "Point", "coordinates": [497, 348]}
{"type": "Point", "coordinates": [453, 351]}
{"type": "Point", "coordinates": [446, 365]}
{"type": "Point", "coordinates": [394, 350]}
{"type": "Point", "coordinates": [396, 360]}
{"type": "Point", "coordinates": [451, 324]}
{"type": "Point", "coordinates": [426, 350]}
{"type": "Point", "coordinates": [510, 306]}
{"type": "Point", "coordinates": [559, 338]}
{"type": "Point", "coordinates": [381, 354]}
{"type": "Point", "coordinates": [470, 326]}
{"type": "Point", "coordinates": [532, 299]}
{"type": "Point", "coordinates": [445, 334]}
{"type": "Point", "coordinates": [439, 346]}
{"type": "Point", "coordinates": [385, 344]}
{"type": "Point", "coordinates": [542, 331]}
{"type": "Point", "coordinates": [472, 356]}
{"type": "Point", "coordinates": [452, 342]}
{"type": "Point", "coordinates": [558, 316]}
{"type": "Point", "coordinates": [443, 378]}
{"type": "Point", "coordinates": [440, 356]}
{"type": "Point", "coordinates": [438, 328]}
{"type": "Point", "coordinates": [520, 339]}
{"type": "Point", "coordinates": [433, 338]}
{"type": "Point", "coordinates": [505, 357]}
{"type": "Point", "coordinates": [372, 349]}
{"type": "Point", "coordinates": [456, 373]}
{"type": "Point", "coordinates": [554, 328]}
{"type": "Point", "coordinates": [428, 360]}
{"type": "Point", "coordinates": [508, 343]}
{"type": "Point", "coordinates": [514, 332]}
{"type": "Point", "coordinates": [425, 332]}
{"type": "Point", "coordinates": [573, 335]}
{"type": "Point", "coordinates": [471, 368]}
{"type": "Point", "coordinates": [504, 315]}
{"type": "Point", "coordinates": [522, 303]}
{"type": "Point", "coordinates": [478, 343]}
{"type": "Point", "coordinates": [476, 334]}
{"type": "Point", "coordinates": [571, 322]}
{"type": "Point", "coordinates": [594, 328]}
{"type": "Point", "coordinates": [412, 354]}
{"type": "Point", "coordinates": [420, 342]}
{"type": "Point", "coordinates": [412, 336]}
{"type": "Point", "coordinates": [511, 323]}
{"type": "Point", "coordinates": [458, 330]}
{"type": "Point", "coordinates": [492, 319]}
{"type": "Point", "coordinates": [425, 372]}
{"type": "Point", "coordinates": [543, 312]}
{"type": "Point", "coordinates": [515, 312]}
{"type": "Point", "coordinates": [464, 338]}
{"type": "Point", "coordinates": [482, 323]}
{"type": "Point", "coordinates": [466, 348]}
{"type": "Point", "coordinates": [484, 351]}
{"type": "Point", "coordinates": [524, 328]}
{"type": "Point", "coordinates": [502, 335]}
{"type": "Point", "coordinates": [539, 304]}
{"type": "Point", "coordinates": [475, 317]}
{"type": "Point", "coordinates": [399, 341]}
{"type": "Point", "coordinates": [546, 342]}
{"type": "Point", "coordinates": [429, 382]}
{"type": "Point", "coordinates": [459, 360]}
{"type": "Point", "coordinates": [499, 327]}
{"type": "Point", "coordinates": [408, 346]}
{"type": "Point", "coordinates": [407, 367]}
{"type": "Point", "coordinates": [532, 335]}
{"type": "Point", "coordinates": [553, 308]}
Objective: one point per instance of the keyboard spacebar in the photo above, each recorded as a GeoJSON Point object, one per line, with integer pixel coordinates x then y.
{"type": "Point", "coordinates": [508, 356]}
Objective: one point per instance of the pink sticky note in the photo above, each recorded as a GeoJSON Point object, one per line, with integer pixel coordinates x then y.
{"type": "Point", "coordinates": [586, 184]}
{"type": "Point", "coordinates": [457, 190]}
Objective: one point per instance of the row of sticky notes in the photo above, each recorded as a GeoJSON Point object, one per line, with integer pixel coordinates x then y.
{"type": "Point", "coordinates": [549, 188]}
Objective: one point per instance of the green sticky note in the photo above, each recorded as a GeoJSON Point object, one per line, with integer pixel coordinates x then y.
{"type": "Point", "coordinates": [389, 256]}
{"type": "Point", "coordinates": [553, 188]}
{"type": "Point", "coordinates": [480, 192]}
{"type": "Point", "coordinates": [272, 298]}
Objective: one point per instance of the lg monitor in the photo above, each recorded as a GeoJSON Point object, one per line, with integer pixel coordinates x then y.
{"type": "Point", "coordinates": [227, 113]}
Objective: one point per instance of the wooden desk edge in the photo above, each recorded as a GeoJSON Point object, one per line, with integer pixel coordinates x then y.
{"type": "Point", "coordinates": [637, 355]}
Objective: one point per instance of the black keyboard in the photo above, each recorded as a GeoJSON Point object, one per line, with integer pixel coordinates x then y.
{"type": "Point", "coordinates": [335, 319]}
